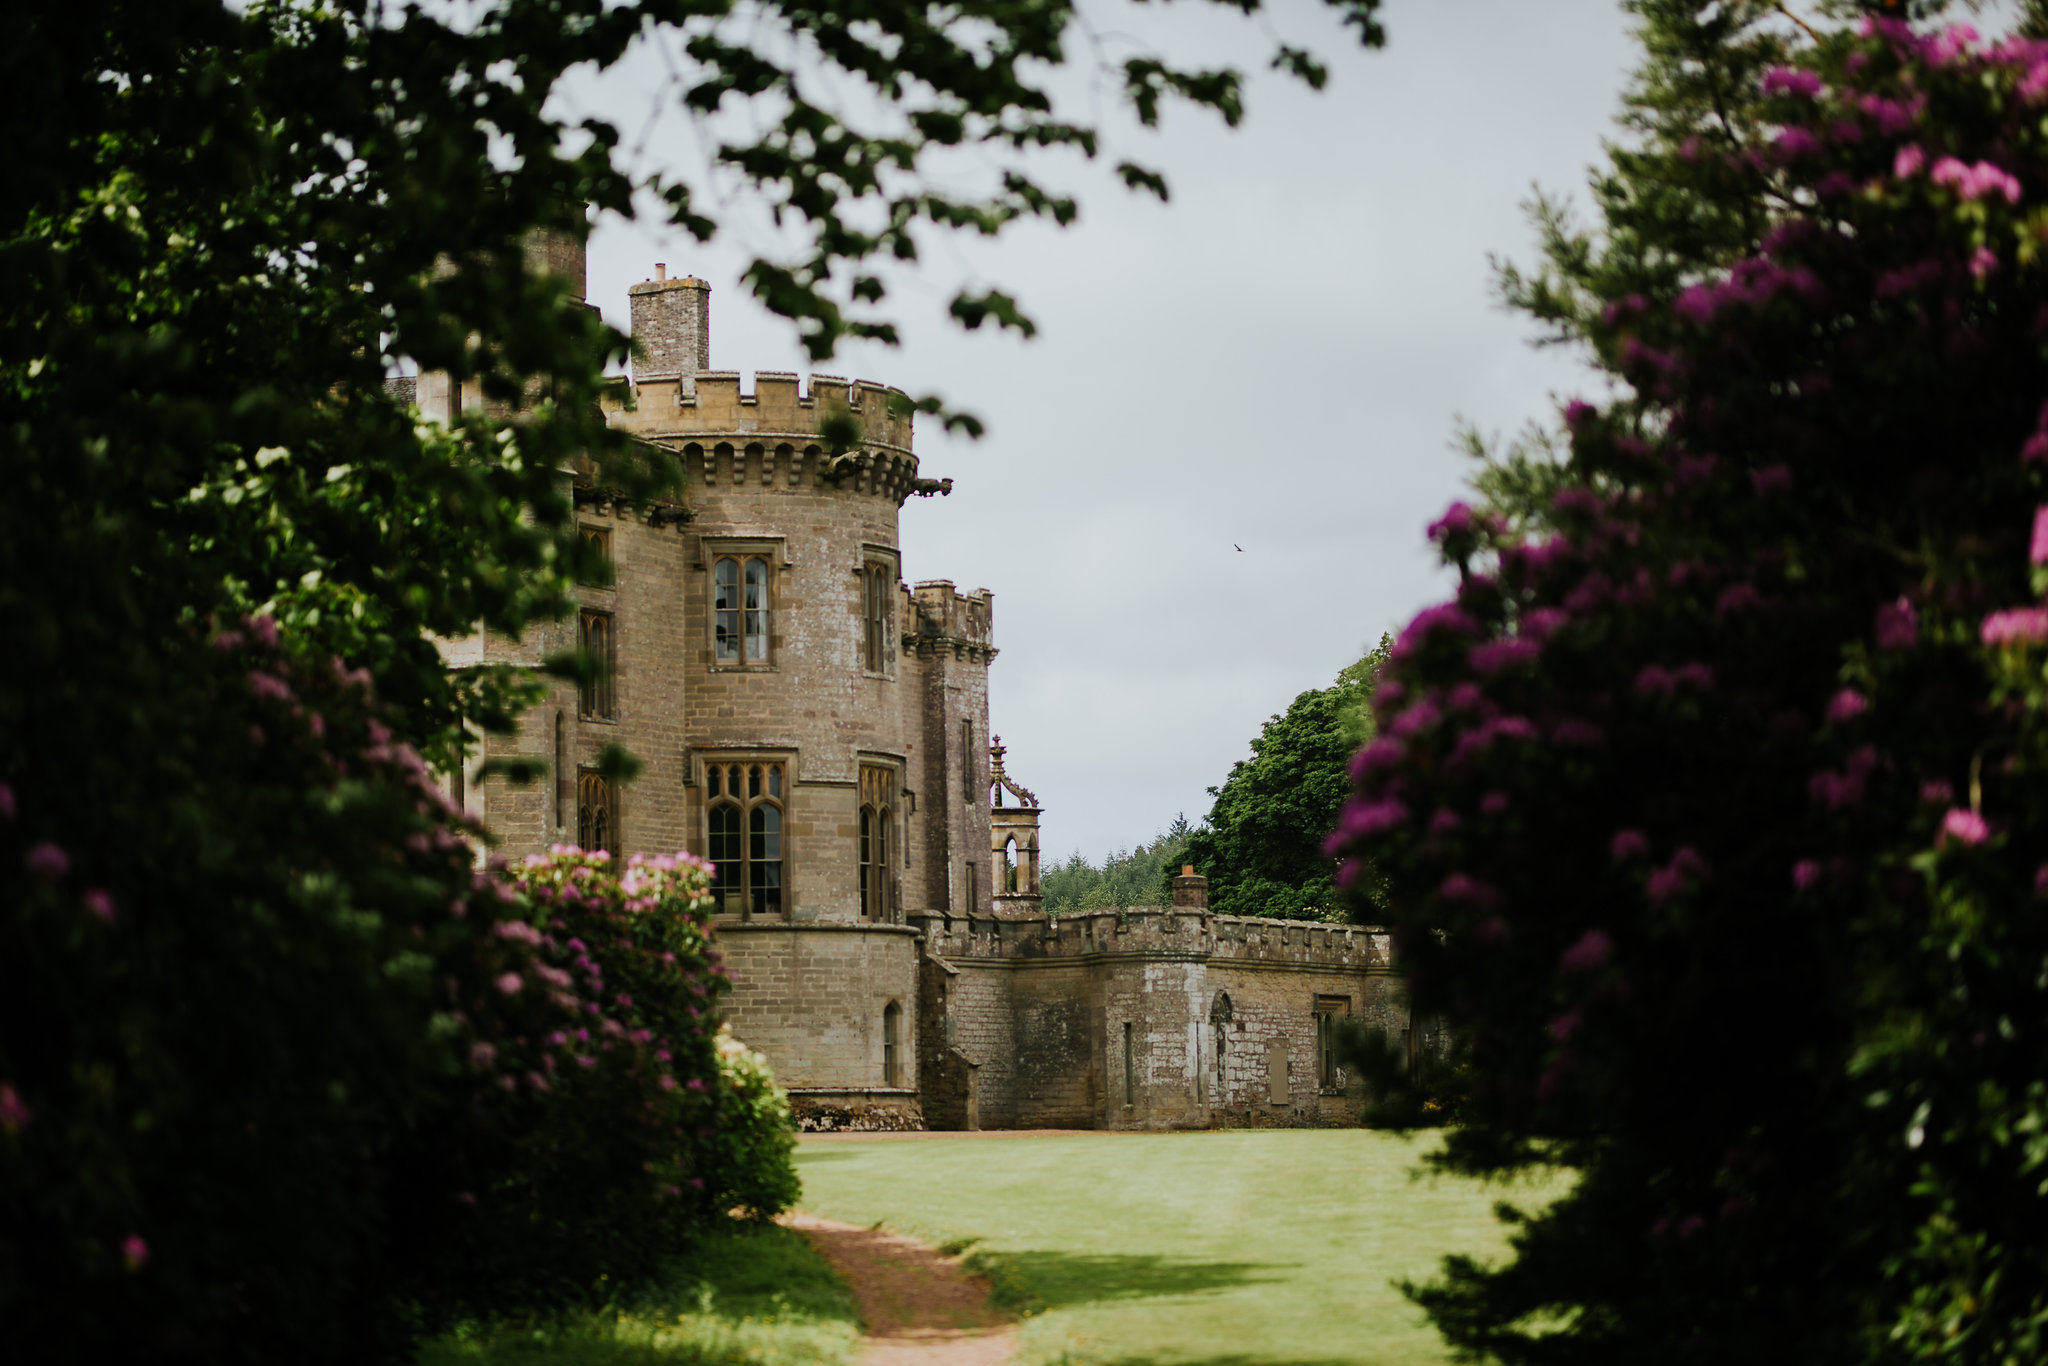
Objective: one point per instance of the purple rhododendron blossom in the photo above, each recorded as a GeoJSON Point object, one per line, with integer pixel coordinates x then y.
{"type": "Point", "coordinates": [1465, 890]}
{"type": "Point", "coordinates": [99, 904]}
{"type": "Point", "coordinates": [1564, 1026]}
{"type": "Point", "coordinates": [1935, 792]}
{"type": "Point", "coordinates": [1736, 598]}
{"type": "Point", "coordinates": [1362, 819]}
{"type": "Point", "coordinates": [1541, 622]}
{"type": "Point", "coordinates": [1847, 705]}
{"type": "Point", "coordinates": [1685, 869]}
{"type": "Point", "coordinates": [1898, 625]}
{"type": "Point", "coordinates": [1493, 803]}
{"type": "Point", "coordinates": [1805, 873]}
{"type": "Point", "coordinates": [1578, 413]}
{"type": "Point", "coordinates": [1589, 954]}
{"type": "Point", "coordinates": [134, 1251]}
{"type": "Point", "coordinates": [511, 983]}
{"type": "Point", "coordinates": [1385, 752]}
{"type": "Point", "coordinates": [1791, 80]}
{"type": "Point", "coordinates": [1457, 520]}
{"type": "Point", "coordinates": [1983, 262]}
{"type": "Point", "coordinates": [2037, 549]}
{"type": "Point", "coordinates": [1797, 142]}
{"type": "Point", "coordinates": [1964, 827]}
{"type": "Point", "coordinates": [1628, 844]}
{"type": "Point", "coordinates": [1495, 655]}
{"type": "Point", "coordinates": [1417, 718]}
{"type": "Point", "coordinates": [2016, 626]}
{"type": "Point", "coordinates": [1444, 822]}
{"type": "Point", "coordinates": [46, 861]}
{"type": "Point", "coordinates": [1909, 162]}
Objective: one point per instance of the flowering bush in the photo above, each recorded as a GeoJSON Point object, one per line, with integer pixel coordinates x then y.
{"type": "Point", "coordinates": [1715, 817]}
{"type": "Point", "coordinates": [283, 1073]}
{"type": "Point", "coordinates": [619, 1111]}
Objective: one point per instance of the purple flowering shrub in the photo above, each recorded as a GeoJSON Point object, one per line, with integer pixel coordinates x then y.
{"type": "Point", "coordinates": [285, 1075]}
{"type": "Point", "coordinates": [1715, 819]}
{"type": "Point", "coordinates": [617, 1113]}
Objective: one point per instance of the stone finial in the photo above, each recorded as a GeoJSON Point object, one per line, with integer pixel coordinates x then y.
{"type": "Point", "coordinates": [1190, 890]}
{"type": "Point", "coordinates": [671, 329]}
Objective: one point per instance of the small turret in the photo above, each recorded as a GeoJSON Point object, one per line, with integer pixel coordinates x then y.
{"type": "Point", "coordinates": [1013, 840]}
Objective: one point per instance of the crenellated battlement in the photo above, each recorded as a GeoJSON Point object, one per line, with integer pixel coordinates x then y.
{"type": "Point", "coordinates": [714, 404]}
{"type": "Point", "coordinates": [1158, 932]}
{"type": "Point", "coordinates": [949, 621]}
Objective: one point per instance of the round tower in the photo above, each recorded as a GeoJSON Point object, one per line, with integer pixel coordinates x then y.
{"type": "Point", "coordinates": [827, 727]}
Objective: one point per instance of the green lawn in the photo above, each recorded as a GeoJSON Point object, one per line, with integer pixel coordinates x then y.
{"type": "Point", "coordinates": [749, 1295]}
{"type": "Point", "coordinates": [1272, 1248]}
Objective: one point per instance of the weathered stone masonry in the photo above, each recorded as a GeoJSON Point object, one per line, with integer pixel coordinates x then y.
{"type": "Point", "coordinates": [820, 729]}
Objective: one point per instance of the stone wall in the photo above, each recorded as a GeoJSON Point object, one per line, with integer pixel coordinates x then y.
{"type": "Point", "coordinates": [1118, 1020]}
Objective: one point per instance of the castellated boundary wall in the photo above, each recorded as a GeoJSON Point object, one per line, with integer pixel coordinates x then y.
{"type": "Point", "coordinates": [1147, 1018]}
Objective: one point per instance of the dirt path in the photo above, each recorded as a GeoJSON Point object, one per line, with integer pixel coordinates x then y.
{"type": "Point", "coordinates": [920, 1308]}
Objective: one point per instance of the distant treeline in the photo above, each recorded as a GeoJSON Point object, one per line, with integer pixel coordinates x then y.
{"type": "Point", "coordinates": [1128, 877]}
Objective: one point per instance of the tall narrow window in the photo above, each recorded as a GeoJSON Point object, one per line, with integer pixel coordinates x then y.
{"type": "Point", "coordinates": [597, 816]}
{"type": "Point", "coordinates": [745, 827]}
{"type": "Point", "coordinates": [1009, 869]}
{"type": "Point", "coordinates": [972, 888]}
{"type": "Point", "coordinates": [876, 648]}
{"type": "Point", "coordinates": [1330, 1011]}
{"type": "Point", "coordinates": [561, 768]}
{"type": "Point", "coordinates": [596, 698]}
{"type": "Point", "coordinates": [594, 566]}
{"type": "Point", "coordinates": [968, 767]}
{"type": "Point", "coordinates": [877, 816]}
{"type": "Point", "coordinates": [892, 1025]}
{"type": "Point", "coordinates": [1130, 1068]}
{"type": "Point", "coordinates": [739, 589]}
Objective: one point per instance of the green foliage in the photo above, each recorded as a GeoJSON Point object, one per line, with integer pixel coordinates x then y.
{"type": "Point", "coordinates": [1127, 877]}
{"type": "Point", "coordinates": [746, 1294]}
{"type": "Point", "coordinates": [1261, 845]}
{"type": "Point", "coordinates": [1711, 808]}
{"type": "Point", "coordinates": [755, 1144]}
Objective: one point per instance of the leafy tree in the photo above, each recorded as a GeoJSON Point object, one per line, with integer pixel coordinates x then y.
{"type": "Point", "coordinates": [1128, 877]}
{"type": "Point", "coordinates": [1712, 813]}
{"type": "Point", "coordinates": [1261, 845]}
{"type": "Point", "coordinates": [238, 937]}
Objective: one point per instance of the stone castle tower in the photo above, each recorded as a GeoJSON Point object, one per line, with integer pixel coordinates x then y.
{"type": "Point", "coordinates": [820, 731]}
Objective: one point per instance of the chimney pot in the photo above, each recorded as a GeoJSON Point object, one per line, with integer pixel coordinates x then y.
{"type": "Point", "coordinates": [661, 270]}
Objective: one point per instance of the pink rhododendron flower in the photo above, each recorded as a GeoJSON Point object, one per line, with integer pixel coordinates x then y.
{"type": "Point", "coordinates": [99, 904]}
{"type": "Point", "coordinates": [135, 1252]}
{"type": "Point", "coordinates": [1493, 803]}
{"type": "Point", "coordinates": [14, 1113]}
{"type": "Point", "coordinates": [1628, 844]}
{"type": "Point", "coordinates": [1847, 705]}
{"type": "Point", "coordinates": [1465, 890]}
{"type": "Point", "coordinates": [1898, 625]}
{"type": "Point", "coordinates": [1496, 655]}
{"type": "Point", "coordinates": [1909, 162]}
{"type": "Point", "coordinates": [1444, 822]}
{"type": "Point", "coordinates": [1935, 792]}
{"type": "Point", "coordinates": [2037, 550]}
{"type": "Point", "coordinates": [264, 628]}
{"type": "Point", "coordinates": [1805, 873]}
{"type": "Point", "coordinates": [1686, 869]}
{"type": "Point", "coordinates": [46, 861]}
{"type": "Point", "coordinates": [1457, 520]}
{"type": "Point", "coordinates": [1983, 262]}
{"type": "Point", "coordinates": [1578, 413]}
{"type": "Point", "coordinates": [1964, 827]}
{"type": "Point", "coordinates": [1564, 1026]}
{"type": "Point", "coordinates": [1589, 954]}
{"type": "Point", "coordinates": [2016, 626]}
{"type": "Point", "coordinates": [511, 983]}
{"type": "Point", "coordinates": [482, 1054]}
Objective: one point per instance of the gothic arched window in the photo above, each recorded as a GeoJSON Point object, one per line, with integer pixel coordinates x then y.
{"type": "Point", "coordinates": [745, 826]}
{"type": "Point", "coordinates": [892, 1049]}
{"type": "Point", "coordinates": [597, 817]}
{"type": "Point", "coordinates": [877, 817]}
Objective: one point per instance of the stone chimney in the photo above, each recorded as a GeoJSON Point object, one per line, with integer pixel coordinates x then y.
{"type": "Point", "coordinates": [671, 329]}
{"type": "Point", "coordinates": [1190, 890]}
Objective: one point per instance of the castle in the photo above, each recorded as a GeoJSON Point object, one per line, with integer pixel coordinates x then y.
{"type": "Point", "coordinates": [820, 731]}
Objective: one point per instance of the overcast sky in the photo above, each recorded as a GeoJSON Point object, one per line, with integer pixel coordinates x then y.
{"type": "Point", "coordinates": [1275, 361]}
